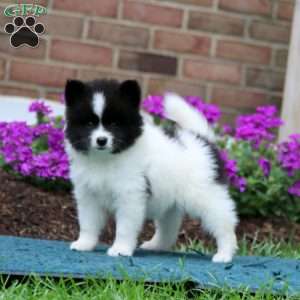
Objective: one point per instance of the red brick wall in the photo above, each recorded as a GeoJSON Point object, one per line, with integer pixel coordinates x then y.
{"type": "Point", "coordinates": [231, 52]}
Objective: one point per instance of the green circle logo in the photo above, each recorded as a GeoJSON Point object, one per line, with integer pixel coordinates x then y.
{"type": "Point", "coordinates": [24, 10]}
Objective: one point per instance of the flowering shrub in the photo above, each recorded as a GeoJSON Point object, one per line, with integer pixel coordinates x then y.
{"type": "Point", "coordinates": [154, 105]}
{"type": "Point", "coordinates": [35, 151]}
{"type": "Point", "coordinates": [264, 177]}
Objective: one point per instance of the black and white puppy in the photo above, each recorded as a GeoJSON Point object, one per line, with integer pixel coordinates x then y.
{"type": "Point", "coordinates": [125, 165]}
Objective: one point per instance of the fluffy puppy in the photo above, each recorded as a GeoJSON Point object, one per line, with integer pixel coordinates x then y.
{"type": "Point", "coordinates": [125, 165]}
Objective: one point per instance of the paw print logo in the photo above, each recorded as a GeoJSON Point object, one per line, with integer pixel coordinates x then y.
{"type": "Point", "coordinates": [24, 31]}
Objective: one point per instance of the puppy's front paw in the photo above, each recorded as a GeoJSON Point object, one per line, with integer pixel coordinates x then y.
{"type": "Point", "coordinates": [120, 250]}
{"type": "Point", "coordinates": [222, 257]}
{"type": "Point", "coordinates": [83, 245]}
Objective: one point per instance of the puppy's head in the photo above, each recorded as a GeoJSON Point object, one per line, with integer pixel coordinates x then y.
{"type": "Point", "coordinates": [102, 115]}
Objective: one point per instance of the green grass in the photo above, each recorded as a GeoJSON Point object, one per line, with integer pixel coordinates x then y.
{"type": "Point", "coordinates": [47, 289]}
{"type": "Point", "coordinates": [261, 248]}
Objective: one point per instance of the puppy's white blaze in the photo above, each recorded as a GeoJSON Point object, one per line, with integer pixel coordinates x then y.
{"type": "Point", "coordinates": [178, 110]}
{"type": "Point", "coordinates": [98, 104]}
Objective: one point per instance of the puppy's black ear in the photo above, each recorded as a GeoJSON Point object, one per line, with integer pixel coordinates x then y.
{"type": "Point", "coordinates": [74, 91]}
{"type": "Point", "coordinates": [131, 92]}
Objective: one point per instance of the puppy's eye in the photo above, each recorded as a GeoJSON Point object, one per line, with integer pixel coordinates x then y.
{"type": "Point", "coordinates": [92, 123]}
{"type": "Point", "coordinates": [111, 124]}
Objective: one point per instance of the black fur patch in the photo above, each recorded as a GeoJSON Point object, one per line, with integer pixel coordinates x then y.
{"type": "Point", "coordinates": [120, 116]}
{"type": "Point", "coordinates": [170, 128]}
{"type": "Point", "coordinates": [148, 187]}
{"type": "Point", "coordinates": [219, 163]}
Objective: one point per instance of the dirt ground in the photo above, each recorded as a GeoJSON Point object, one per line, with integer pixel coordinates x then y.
{"type": "Point", "coordinates": [29, 211]}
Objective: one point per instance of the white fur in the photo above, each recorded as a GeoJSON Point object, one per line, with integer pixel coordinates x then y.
{"type": "Point", "coordinates": [100, 132]}
{"type": "Point", "coordinates": [98, 103]}
{"type": "Point", "coordinates": [186, 116]}
{"type": "Point", "coordinates": [182, 181]}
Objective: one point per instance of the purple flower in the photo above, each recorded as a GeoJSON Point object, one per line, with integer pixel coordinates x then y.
{"type": "Point", "coordinates": [289, 154]}
{"type": "Point", "coordinates": [265, 166]}
{"type": "Point", "coordinates": [210, 111]}
{"type": "Point", "coordinates": [35, 150]}
{"type": "Point", "coordinates": [154, 105]}
{"type": "Point", "coordinates": [295, 189]}
{"type": "Point", "coordinates": [258, 127]}
{"type": "Point", "coordinates": [39, 106]}
{"type": "Point", "coordinates": [231, 170]}
{"type": "Point", "coordinates": [227, 129]}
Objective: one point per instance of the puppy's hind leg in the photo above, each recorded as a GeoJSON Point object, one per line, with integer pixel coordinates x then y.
{"type": "Point", "coordinates": [217, 212]}
{"type": "Point", "coordinates": [166, 231]}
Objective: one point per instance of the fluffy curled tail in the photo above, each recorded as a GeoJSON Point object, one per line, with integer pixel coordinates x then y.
{"type": "Point", "coordinates": [178, 110]}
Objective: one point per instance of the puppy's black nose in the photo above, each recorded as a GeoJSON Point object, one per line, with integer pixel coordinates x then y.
{"type": "Point", "coordinates": [102, 141]}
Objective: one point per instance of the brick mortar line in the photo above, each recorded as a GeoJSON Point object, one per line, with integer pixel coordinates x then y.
{"type": "Point", "coordinates": [180, 65]}
{"type": "Point", "coordinates": [176, 5]}
{"type": "Point", "coordinates": [17, 85]}
{"type": "Point", "coordinates": [184, 80]}
{"type": "Point", "coordinates": [145, 86]}
{"type": "Point", "coordinates": [185, 19]}
{"type": "Point", "coordinates": [279, 69]}
{"type": "Point", "coordinates": [273, 58]}
{"type": "Point", "coordinates": [244, 89]}
{"type": "Point", "coordinates": [208, 93]}
{"type": "Point", "coordinates": [240, 38]}
{"type": "Point", "coordinates": [151, 40]}
{"type": "Point", "coordinates": [50, 5]}
{"type": "Point", "coordinates": [52, 89]}
{"type": "Point", "coordinates": [120, 9]}
{"type": "Point", "coordinates": [274, 12]}
{"type": "Point", "coordinates": [119, 72]}
{"type": "Point", "coordinates": [244, 69]}
{"type": "Point", "coordinates": [248, 24]}
{"type": "Point", "coordinates": [22, 84]}
{"type": "Point", "coordinates": [87, 41]}
{"type": "Point", "coordinates": [105, 44]}
{"type": "Point", "coordinates": [6, 70]}
{"type": "Point", "coordinates": [54, 63]}
{"type": "Point", "coordinates": [163, 52]}
{"type": "Point", "coordinates": [85, 28]}
{"type": "Point", "coordinates": [213, 47]}
{"type": "Point", "coordinates": [116, 58]}
{"type": "Point", "coordinates": [48, 49]}
{"type": "Point", "coordinates": [42, 93]}
{"type": "Point", "coordinates": [216, 5]}
{"type": "Point", "coordinates": [205, 82]}
{"type": "Point", "coordinates": [262, 68]}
